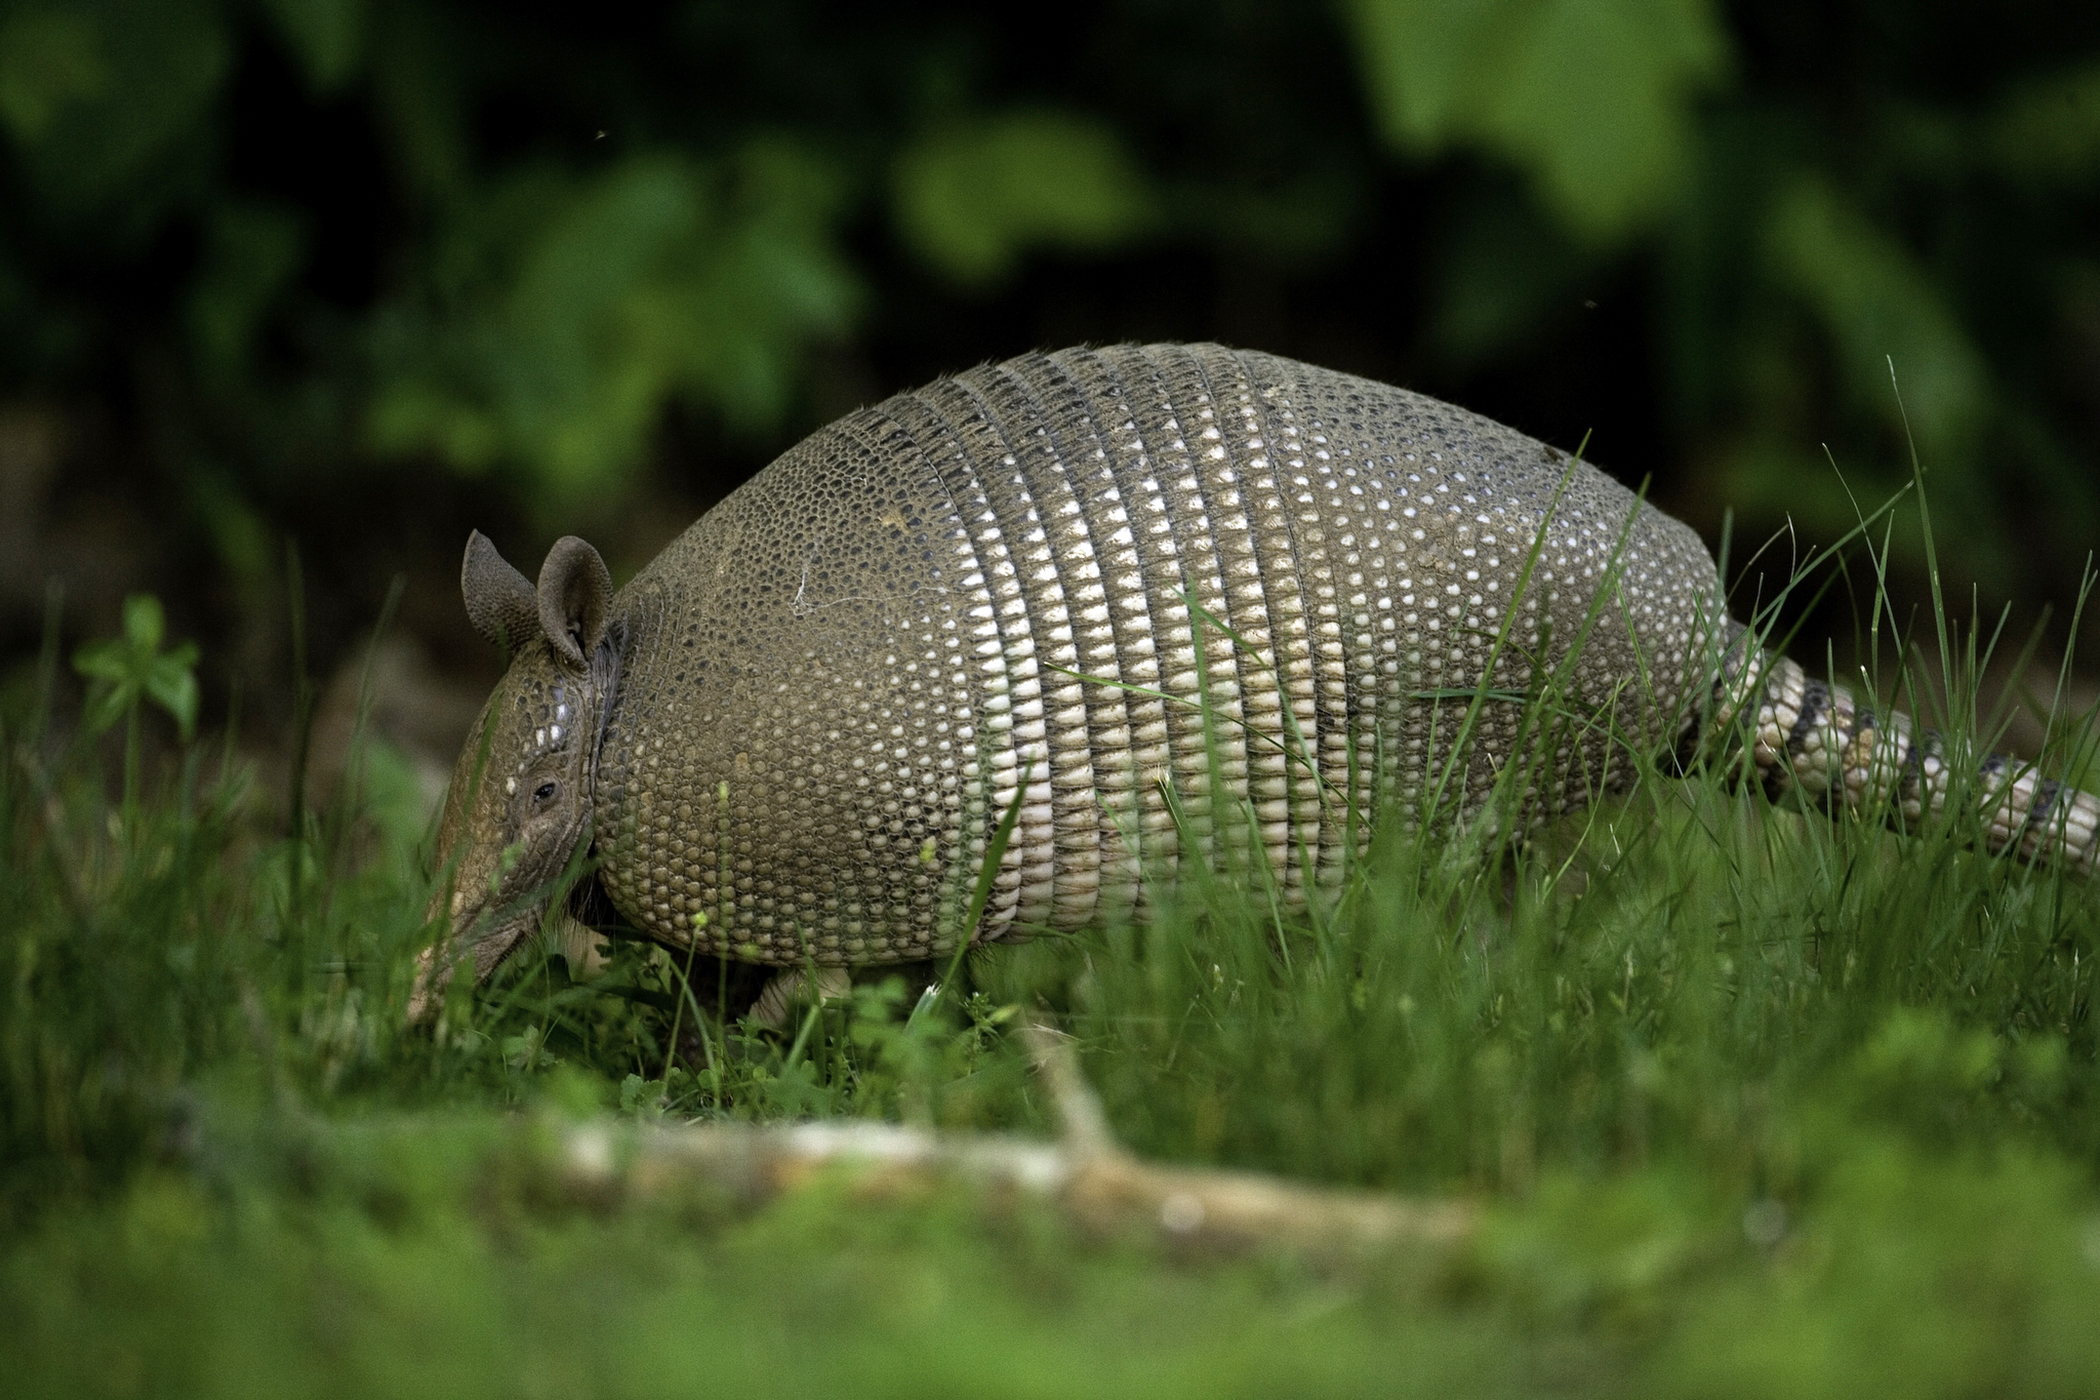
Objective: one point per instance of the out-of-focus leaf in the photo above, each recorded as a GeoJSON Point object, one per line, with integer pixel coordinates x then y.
{"type": "Point", "coordinates": [589, 361]}
{"type": "Point", "coordinates": [131, 85]}
{"type": "Point", "coordinates": [328, 36]}
{"type": "Point", "coordinates": [2048, 130]}
{"type": "Point", "coordinates": [1877, 304]}
{"type": "Point", "coordinates": [1593, 98]}
{"type": "Point", "coordinates": [106, 704]}
{"type": "Point", "coordinates": [773, 281]}
{"type": "Point", "coordinates": [973, 199]}
{"type": "Point", "coordinates": [171, 683]}
{"type": "Point", "coordinates": [102, 661]}
{"type": "Point", "coordinates": [661, 279]}
{"type": "Point", "coordinates": [46, 61]}
{"type": "Point", "coordinates": [144, 622]}
{"type": "Point", "coordinates": [416, 414]}
{"type": "Point", "coordinates": [1424, 60]}
{"type": "Point", "coordinates": [394, 798]}
{"type": "Point", "coordinates": [132, 668]}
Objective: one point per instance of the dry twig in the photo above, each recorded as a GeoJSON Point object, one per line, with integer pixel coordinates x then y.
{"type": "Point", "coordinates": [1101, 1188]}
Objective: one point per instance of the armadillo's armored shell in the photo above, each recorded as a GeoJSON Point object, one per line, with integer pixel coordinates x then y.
{"type": "Point", "coordinates": [839, 680]}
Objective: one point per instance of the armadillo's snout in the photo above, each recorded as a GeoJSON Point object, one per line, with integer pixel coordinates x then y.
{"type": "Point", "coordinates": [504, 856]}
{"type": "Point", "coordinates": [480, 934]}
{"type": "Point", "coordinates": [452, 908]}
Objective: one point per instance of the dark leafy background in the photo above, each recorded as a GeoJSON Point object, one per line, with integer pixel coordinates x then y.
{"type": "Point", "coordinates": [349, 276]}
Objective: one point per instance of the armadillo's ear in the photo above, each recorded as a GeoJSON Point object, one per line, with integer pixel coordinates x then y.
{"type": "Point", "coordinates": [575, 599]}
{"type": "Point", "coordinates": [500, 602]}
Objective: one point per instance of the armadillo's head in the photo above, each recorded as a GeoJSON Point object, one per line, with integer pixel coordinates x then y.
{"type": "Point", "coordinates": [521, 797]}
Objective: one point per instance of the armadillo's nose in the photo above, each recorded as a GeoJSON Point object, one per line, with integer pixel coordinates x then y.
{"type": "Point", "coordinates": [435, 963]}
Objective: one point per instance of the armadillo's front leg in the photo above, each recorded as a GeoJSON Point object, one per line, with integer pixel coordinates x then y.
{"type": "Point", "coordinates": [799, 987]}
{"type": "Point", "coordinates": [1806, 734]}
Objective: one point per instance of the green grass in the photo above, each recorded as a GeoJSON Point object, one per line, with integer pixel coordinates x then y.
{"type": "Point", "coordinates": [1756, 1103]}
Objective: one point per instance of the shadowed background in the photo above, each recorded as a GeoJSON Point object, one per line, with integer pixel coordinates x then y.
{"type": "Point", "coordinates": [335, 280]}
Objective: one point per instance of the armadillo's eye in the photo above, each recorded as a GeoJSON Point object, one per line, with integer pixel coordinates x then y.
{"type": "Point", "coordinates": [543, 793]}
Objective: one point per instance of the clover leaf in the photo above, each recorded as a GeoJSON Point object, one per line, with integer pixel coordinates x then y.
{"type": "Point", "coordinates": [131, 668]}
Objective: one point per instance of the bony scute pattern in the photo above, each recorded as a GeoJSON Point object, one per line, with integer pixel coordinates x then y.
{"type": "Point", "coordinates": [1007, 590]}
{"type": "Point", "coordinates": [1808, 735]}
{"type": "Point", "coordinates": [1152, 605]}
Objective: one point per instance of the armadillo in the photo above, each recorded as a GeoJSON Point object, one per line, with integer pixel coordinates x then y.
{"type": "Point", "coordinates": [1104, 612]}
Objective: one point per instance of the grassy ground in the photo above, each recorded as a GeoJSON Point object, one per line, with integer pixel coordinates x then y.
{"type": "Point", "coordinates": [1755, 1103]}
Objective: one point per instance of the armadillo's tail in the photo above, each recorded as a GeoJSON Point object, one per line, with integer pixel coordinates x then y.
{"type": "Point", "coordinates": [1816, 738]}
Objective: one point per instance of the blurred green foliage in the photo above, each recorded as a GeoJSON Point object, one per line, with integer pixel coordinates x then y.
{"type": "Point", "coordinates": [1592, 99]}
{"type": "Point", "coordinates": [288, 237]}
{"type": "Point", "coordinates": [563, 313]}
{"type": "Point", "coordinates": [972, 200]}
{"type": "Point", "coordinates": [133, 668]}
{"type": "Point", "coordinates": [125, 672]}
{"type": "Point", "coordinates": [1751, 1101]}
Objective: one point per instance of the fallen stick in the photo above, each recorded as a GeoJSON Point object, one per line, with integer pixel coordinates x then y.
{"type": "Point", "coordinates": [1103, 1189]}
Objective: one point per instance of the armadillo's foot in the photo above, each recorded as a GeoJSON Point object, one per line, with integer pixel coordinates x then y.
{"type": "Point", "coordinates": [428, 990]}
{"type": "Point", "coordinates": [798, 987]}
{"type": "Point", "coordinates": [577, 942]}
{"type": "Point", "coordinates": [1085, 1126]}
